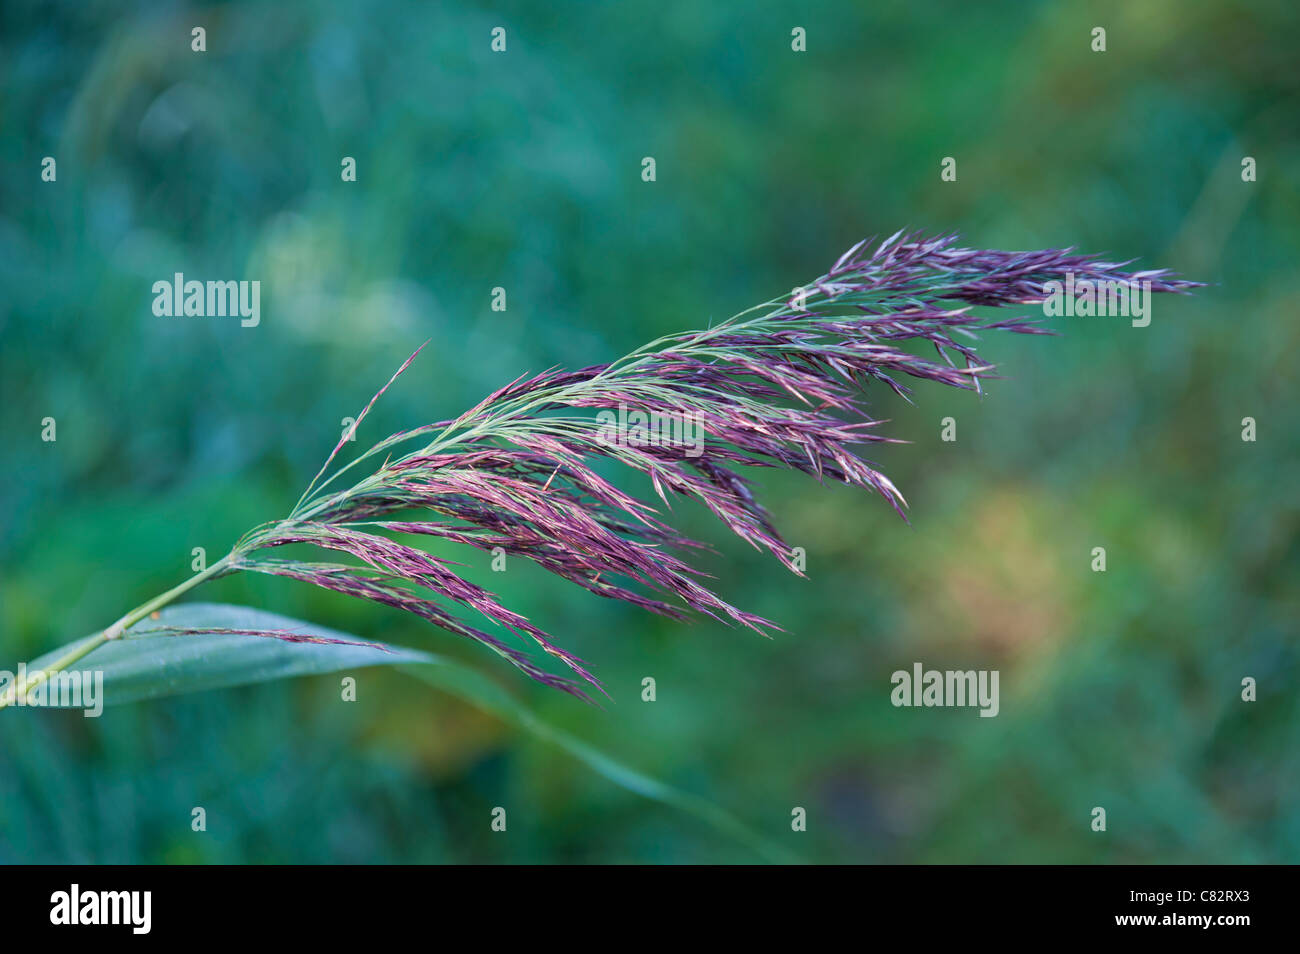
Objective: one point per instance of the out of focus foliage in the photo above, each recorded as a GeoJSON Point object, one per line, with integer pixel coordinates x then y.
{"type": "Point", "coordinates": [522, 170]}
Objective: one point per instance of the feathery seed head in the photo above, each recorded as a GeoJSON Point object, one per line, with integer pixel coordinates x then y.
{"type": "Point", "coordinates": [779, 385]}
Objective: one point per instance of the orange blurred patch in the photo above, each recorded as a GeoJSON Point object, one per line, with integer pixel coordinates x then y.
{"type": "Point", "coordinates": [1002, 588]}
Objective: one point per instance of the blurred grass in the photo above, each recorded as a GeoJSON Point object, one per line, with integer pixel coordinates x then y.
{"type": "Point", "coordinates": [522, 170]}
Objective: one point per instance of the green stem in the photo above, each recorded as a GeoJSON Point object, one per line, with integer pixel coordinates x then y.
{"type": "Point", "coordinates": [84, 647]}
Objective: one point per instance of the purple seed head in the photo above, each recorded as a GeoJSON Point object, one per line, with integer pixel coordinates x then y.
{"type": "Point", "coordinates": [777, 386]}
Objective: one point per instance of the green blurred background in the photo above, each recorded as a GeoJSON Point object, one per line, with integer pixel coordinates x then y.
{"type": "Point", "coordinates": [522, 170]}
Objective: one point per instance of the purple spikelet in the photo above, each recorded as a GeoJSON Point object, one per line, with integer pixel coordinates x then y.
{"type": "Point", "coordinates": [777, 386]}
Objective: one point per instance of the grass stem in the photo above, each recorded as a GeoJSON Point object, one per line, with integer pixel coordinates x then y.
{"type": "Point", "coordinates": [81, 648]}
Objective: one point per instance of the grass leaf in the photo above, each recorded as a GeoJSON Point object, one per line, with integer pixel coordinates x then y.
{"type": "Point", "coordinates": [145, 664]}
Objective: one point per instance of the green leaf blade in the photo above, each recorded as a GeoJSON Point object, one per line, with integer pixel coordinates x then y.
{"type": "Point", "coordinates": [142, 666]}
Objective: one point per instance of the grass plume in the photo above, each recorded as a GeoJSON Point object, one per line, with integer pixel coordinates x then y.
{"type": "Point", "coordinates": [776, 386]}
{"type": "Point", "coordinates": [779, 385]}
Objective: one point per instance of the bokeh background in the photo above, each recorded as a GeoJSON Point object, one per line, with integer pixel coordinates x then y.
{"type": "Point", "coordinates": [1119, 689]}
